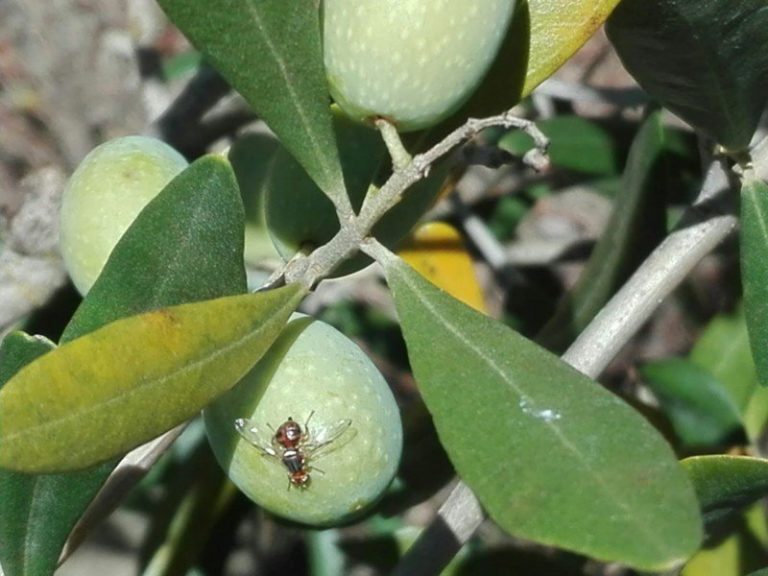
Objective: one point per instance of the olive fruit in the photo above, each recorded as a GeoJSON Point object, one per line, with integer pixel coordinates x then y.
{"type": "Point", "coordinates": [103, 197]}
{"type": "Point", "coordinates": [325, 384]}
{"type": "Point", "coordinates": [251, 157]}
{"type": "Point", "coordinates": [411, 61]}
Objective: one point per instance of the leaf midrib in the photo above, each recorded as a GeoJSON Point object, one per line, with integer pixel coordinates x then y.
{"type": "Point", "coordinates": [124, 397]}
{"type": "Point", "coordinates": [294, 97]}
{"type": "Point", "coordinates": [569, 446]}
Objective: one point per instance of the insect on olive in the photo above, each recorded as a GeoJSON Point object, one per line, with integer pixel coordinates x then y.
{"type": "Point", "coordinates": [296, 448]}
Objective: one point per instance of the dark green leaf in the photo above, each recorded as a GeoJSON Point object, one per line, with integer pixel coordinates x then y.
{"type": "Point", "coordinates": [575, 143]}
{"type": "Point", "coordinates": [703, 60]}
{"type": "Point", "coordinates": [700, 409]}
{"type": "Point", "coordinates": [19, 349]}
{"type": "Point", "coordinates": [105, 393]}
{"type": "Point", "coordinates": [726, 485]}
{"type": "Point", "coordinates": [754, 270]}
{"type": "Point", "coordinates": [186, 245]}
{"type": "Point", "coordinates": [637, 223]}
{"type": "Point", "coordinates": [270, 51]}
{"type": "Point", "coordinates": [763, 572]}
{"type": "Point", "coordinates": [196, 224]}
{"type": "Point", "coordinates": [36, 512]}
{"type": "Point", "coordinates": [552, 456]}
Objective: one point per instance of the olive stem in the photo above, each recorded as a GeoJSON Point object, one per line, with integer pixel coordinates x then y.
{"type": "Point", "coordinates": [701, 229]}
{"type": "Point", "coordinates": [320, 263]}
{"type": "Point", "coordinates": [400, 156]}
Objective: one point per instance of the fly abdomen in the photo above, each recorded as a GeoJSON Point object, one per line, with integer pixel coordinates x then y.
{"type": "Point", "coordinates": [293, 461]}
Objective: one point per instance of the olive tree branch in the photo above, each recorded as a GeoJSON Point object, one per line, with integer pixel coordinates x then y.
{"type": "Point", "coordinates": [309, 270]}
{"type": "Point", "coordinates": [701, 229]}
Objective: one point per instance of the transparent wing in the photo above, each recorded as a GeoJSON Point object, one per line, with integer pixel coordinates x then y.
{"type": "Point", "coordinates": [257, 437]}
{"type": "Point", "coordinates": [326, 439]}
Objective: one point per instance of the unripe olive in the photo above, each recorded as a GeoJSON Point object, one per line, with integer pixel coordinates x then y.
{"type": "Point", "coordinates": [251, 157]}
{"type": "Point", "coordinates": [411, 61]}
{"type": "Point", "coordinates": [105, 194]}
{"type": "Point", "coordinates": [311, 373]}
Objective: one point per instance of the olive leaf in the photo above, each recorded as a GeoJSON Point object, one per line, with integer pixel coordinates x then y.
{"type": "Point", "coordinates": [270, 51]}
{"type": "Point", "coordinates": [560, 460]}
{"type": "Point", "coordinates": [102, 394]}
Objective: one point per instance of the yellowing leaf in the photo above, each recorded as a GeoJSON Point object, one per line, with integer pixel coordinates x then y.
{"type": "Point", "coordinates": [100, 395]}
{"type": "Point", "coordinates": [542, 36]}
{"type": "Point", "coordinates": [437, 252]}
{"type": "Point", "coordinates": [557, 30]}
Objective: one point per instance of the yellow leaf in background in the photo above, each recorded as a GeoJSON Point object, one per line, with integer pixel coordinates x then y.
{"type": "Point", "coordinates": [437, 252]}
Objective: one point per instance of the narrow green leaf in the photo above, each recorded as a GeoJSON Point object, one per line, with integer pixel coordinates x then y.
{"type": "Point", "coordinates": [19, 349]}
{"type": "Point", "coordinates": [754, 270]}
{"type": "Point", "coordinates": [763, 572]}
{"type": "Point", "coordinates": [703, 60]}
{"type": "Point", "coordinates": [102, 394]}
{"type": "Point", "coordinates": [551, 455]}
{"type": "Point", "coordinates": [36, 512]}
{"type": "Point", "coordinates": [186, 245]}
{"type": "Point", "coordinates": [726, 485]}
{"type": "Point", "coordinates": [191, 237]}
{"type": "Point", "coordinates": [700, 409]}
{"type": "Point", "coordinates": [637, 223]}
{"type": "Point", "coordinates": [270, 51]}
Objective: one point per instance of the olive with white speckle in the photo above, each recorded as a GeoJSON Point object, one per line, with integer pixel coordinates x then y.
{"type": "Point", "coordinates": [322, 381]}
{"type": "Point", "coordinates": [112, 184]}
{"type": "Point", "coordinates": [411, 61]}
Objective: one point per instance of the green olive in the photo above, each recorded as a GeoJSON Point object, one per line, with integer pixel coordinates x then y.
{"type": "Point", "coordinates": [411, 61]}
{"type": "Point", "coordinates": [321, 380]}
{"type": "Point", "coordinates": [105, 194]}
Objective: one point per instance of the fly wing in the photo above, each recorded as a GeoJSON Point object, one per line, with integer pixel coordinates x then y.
{"type": "Point", "coordinates": [326, 439]}
{"type": "Point", "coordinates": [256, 437]}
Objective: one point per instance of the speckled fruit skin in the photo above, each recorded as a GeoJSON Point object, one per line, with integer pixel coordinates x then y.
{"type": "Point", "coordinates": [105, 194]}
{"type": "Point", "coordinates": [311, 366]}
{"type": "Point", "coordinates": [411, 61]}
